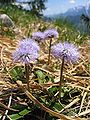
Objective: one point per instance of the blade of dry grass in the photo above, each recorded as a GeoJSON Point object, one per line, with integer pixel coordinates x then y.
{"type": "Point", "coordinates": [69, 105]}
{"type": "Point", "coordinates": [82, 102]}
{"type": "Point", "coordinates": [5, 107]}
{"type": "Point", "coordinates": [6, 112]}
{"type": "Point", "coordinates": [84, 113]}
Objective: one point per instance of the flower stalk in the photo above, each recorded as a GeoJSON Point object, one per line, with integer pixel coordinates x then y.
{"type": "Point", "coordinates": [61, 76]}
{"type": "Point", "coordinates": [27, 75]}
{"type": "Point", "coordinates": [49, 50]}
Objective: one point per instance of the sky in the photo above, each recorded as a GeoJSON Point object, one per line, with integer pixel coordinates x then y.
{"type": "Point", "coordinates": [61, 6]}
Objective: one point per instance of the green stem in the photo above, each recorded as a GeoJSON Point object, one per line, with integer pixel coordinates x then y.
{"type": "Point", "coordinates": [61, 75]}
{"type": "Point", "coordinates": [49, 50]}
{"type": "Point", "coordinates": [27, 74]}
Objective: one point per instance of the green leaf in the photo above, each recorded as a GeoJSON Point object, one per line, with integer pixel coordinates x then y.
{"type": "Point", "coordinates": [15, 116]}
{"type": "Point", "coordinates": [71, 113]}
{"type": "Point", "coordinates": [43, 100]}
{"type": "Point", "coordinates": [40, 76]}
{"type": "Point", "coordinates": [53, 90]}
{"type": "Point", "coordinates": [17, 73]}
{"type": "Point", "coordinates": [20, 114]}
{"type": "Point", "coordinates": [58, 106]}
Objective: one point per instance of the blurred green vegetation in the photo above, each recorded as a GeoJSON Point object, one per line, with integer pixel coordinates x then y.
{"type": "Point", "coordinates": [19, 16]}
{"type": "Point", "coordinates": [69, 32]}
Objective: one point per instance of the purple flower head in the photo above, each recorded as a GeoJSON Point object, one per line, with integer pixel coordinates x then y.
{"type": "Point", "coordinates": [38, 36]}
{"type": "Point", "coordinates": [50, 33]}
{"type": "Point", "coordinates": [67, 50]}
{"type": "Point", "coordinates": [27, 51]}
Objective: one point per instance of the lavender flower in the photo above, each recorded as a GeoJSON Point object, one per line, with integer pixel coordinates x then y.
{"type": "Point", "coordinates": [38, 36]}
{"type": "Point", "coordinates": [66, 50]}
{"type": "Point", "coordinates": [50, 33]}
{"type": "Point", "coordinates": [27, 51]}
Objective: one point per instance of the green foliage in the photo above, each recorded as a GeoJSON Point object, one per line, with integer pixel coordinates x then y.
{"type": "Point", "coordinates": [5, 2]}
{"type": "Point", "coordinates": [53, 90]}
{"type": "Point", "coordinates": [20, 114]}
{"type": "Point", "coordinates": [17, 73]}
{"type": "Point", "coordinates": [58, 106]}
{"type": "Point", "coordinates": [36, 6]}
{"type": "Point", "coordinates": [62, 22]}
{"type": "Point", "coordinates": [42, 77]}
{"type": "Point", "coordinates": [19, 16]}
{"type": "Point", "coordinates": [68, 32]}
{"type": "Point", "coordinates": [8, 33]}
{"type": "Point", "coordinates": [88, 67]}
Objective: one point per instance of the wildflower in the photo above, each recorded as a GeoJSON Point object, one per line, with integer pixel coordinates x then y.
{"type": "Point", "coordinates": [67, 50]}
{"type": "Point", "coordinates": [26, 52]}
{"type": "Point", "coordinates": [50, 33]}
{"type": "Point", "coordinates": [38, 36]}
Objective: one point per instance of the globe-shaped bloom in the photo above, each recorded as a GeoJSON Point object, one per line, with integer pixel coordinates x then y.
{"type": "Point", "coordinates": [27, 51]}
{"type": "Point", "coordinates": [67, 50]}
{"type": "Point", "coordinates": [50, 33]}
{"type": "Point", "coordinates": [39, 36]}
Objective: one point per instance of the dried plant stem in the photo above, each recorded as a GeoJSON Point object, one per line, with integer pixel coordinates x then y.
{"type": "Point", "coordinates": [27, 74]}
{"type": "Point", "coordinates": [61, 75]}
{"type": "Point", "coordinates": [10, 98]}
{"type": "Point", "coordinates": [49, 50]}
{"type": "Point", "coordinates": [8, 108]}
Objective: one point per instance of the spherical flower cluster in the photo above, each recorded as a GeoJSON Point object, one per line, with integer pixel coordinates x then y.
{"type": "Point", "coordinates": [41, 36]}
{"type": "Point", "coordinates": [38, 36]}
{"type": "Point", "coordinates": [27, 51]}
{"type": "Point", "coordinates": [50, 33]}
{"type": "Point", "coordinates": [67, 50]}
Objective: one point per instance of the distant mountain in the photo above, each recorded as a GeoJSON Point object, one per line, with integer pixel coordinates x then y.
{"type": "Point", "coordinates": [73, 14]}
{"type": "Point", "coordinates": [75, 11]}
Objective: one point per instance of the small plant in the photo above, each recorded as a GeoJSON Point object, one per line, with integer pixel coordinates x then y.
{"type": "Point", "coordinates": [67, 52]}
{"type": "Point", "coordinates": [49, 34]}
{"type": "Point", "coordinates": [26, 53]}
